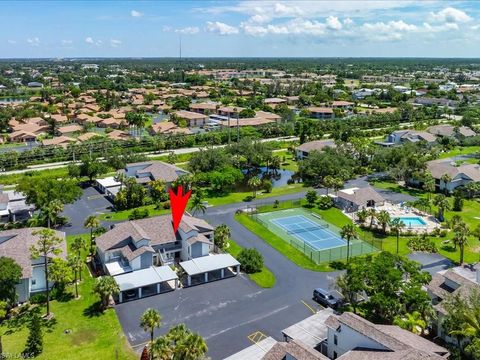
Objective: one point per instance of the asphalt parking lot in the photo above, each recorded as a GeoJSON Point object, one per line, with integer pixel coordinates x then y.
{"type": "Point", "coordinates": [91, 202]}
{"type": "Point", "coordinates": [230, 314]}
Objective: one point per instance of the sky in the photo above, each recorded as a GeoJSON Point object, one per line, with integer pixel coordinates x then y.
{"type": "Point", "coordinates": [404, 28]}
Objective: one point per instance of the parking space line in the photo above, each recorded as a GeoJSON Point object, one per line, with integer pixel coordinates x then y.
{"type": "Point", "coordinates": [256, 337]}
{"type": "Point", "coordinates": [309, 307]}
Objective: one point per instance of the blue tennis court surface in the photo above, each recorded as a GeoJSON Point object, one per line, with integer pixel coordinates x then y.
{"type": "Point", "coordinates": [316, 235]}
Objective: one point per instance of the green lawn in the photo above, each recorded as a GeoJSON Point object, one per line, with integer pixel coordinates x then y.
{"type": "Point", "coordinates": [92, 335]}
{"type": "Point", "coordinates": [460, 151]}
{"type": "Point", "coordinates": [13, 179]}
{"type": "Point", "coordinates": [124, 214]}
{"type": "Point", "coordinates": [280, 245]}
{"type": "Point", "coordinates": [264, 278]}
{"type": "Point", "coordinates": [470, 211]}
{"type": "Point", "coordinates": [289, 163]}
{"type": "Point", "coordinates": [240, 196]}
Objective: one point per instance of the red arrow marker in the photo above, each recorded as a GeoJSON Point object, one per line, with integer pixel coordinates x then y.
{"type": "Point", "coordinates": [178, 203]}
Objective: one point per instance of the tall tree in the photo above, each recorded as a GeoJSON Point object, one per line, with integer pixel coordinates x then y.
{"type": "Point", "coordinates": [60, 273]}
{"type": "Point", "coordinates": [221, 234]}
{"type": "Point", "coordinates": [78, 245]}
{"type": "Point", "coordinates": [92, 222]}
{"type": "Point", "coordinates": [254, 183]}
{"type": "Point", "coordinates": [47, 247]}
{"type": "Point", "coordinates": [76, 264]}
{"type": "Point", "coordinates": [396, 225]}
{"type": "Point", "coordinates": [10, 276]}
{"type": "Point", "coordinates": [412, 322]}
{"type": "Point", "coordinates": [348, 232]}
{"type": "Point", "coordinates": [196, 204]}
{"type": "Point", "coordinates": [34, 345]}
{"type": "Point", "coordinates": [150, 320]}
{"type": "Point", "coordinates": [442, 204]}
{"type": "Point", "coordinates": [460, 238]}
{"type": "Point", "coordinates": [51, 211]}
{"type": "Point", "coordinates": [383, 218]}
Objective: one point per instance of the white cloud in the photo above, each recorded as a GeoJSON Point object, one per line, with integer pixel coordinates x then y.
{"type": "Point", "coordinates": [297, 26]}
{"type": "Point", "coordinates": [166, 28]}
{"type": "Point", "coordinates": [260, 18]}
{"type": "Point", "coordinates": [390, 31]}
{"type": "Point", "coordinates": [135, 13]}
{"type": "Point", "coordinates": [35, 41]}
{"type": "Point", "coordinates": [91, 41]}
{"type": "Point", "coordinates": [188, 30]}
{"type": "Point", "coordinates": [450, 15]}
{"type": "Point", "coordinates": [221, 28]}
{"type": "Point", "coordinates": [115, 42]}
{"type": "Point", "coordinates": [347, 21]}
{"type": "Point", "coordinates": [333, 23]}
{"type": "Point", "coordinates": [67, 42]}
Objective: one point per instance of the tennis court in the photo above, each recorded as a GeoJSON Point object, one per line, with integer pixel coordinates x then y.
{"type": "Point", "coordinates": [312, 235]}
{"type": "Point", "coordinates": [317, 235]}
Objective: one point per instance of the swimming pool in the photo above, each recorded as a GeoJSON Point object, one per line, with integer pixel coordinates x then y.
{"type": "Point", "coordinates": [412, 221]}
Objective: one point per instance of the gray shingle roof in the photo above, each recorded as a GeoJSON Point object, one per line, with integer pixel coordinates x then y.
{"type": "Point", "coordinates": [155, 170]}
{"type": "Point", "coordinates": [16, 245]}
{"type": "Point", "coordinates": [317, 145]}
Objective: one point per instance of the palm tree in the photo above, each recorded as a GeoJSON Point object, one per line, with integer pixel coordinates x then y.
{"type": "Point", "coordinates": [120, 177]}
{"type": "Point", "coordinates": [412, 322]}
{"type": "Point", "coordinates": [383, 218]}
{"type": "Point", "coordinates": [150, 320]}
{"type": "Point", "coordinates": [105, 286]}
{"type": "Point", "coordinates": [91, 223]}
{"type": "Point", "coordinates": [51, 212]}
{"type": "Point", "coordinates": [193, 348]}
{"type": "Point", "coordinates": [161, 349]}
{"type": "Point", "coordinates": [362, 216]}
{"type": "Point", "coordinates": [396, 225]}
{"type": "Point", "coordinates": [372, 213]}
{"type": "Point", "coordinates": [196, 204]}
{"type": "Point", "coordinates": [446, 180]}
{"type": "Point", "coordinates": [443, 204]}
{"type": "Point", "coordinates": [348, 233]}
{"type": "Point", "coordinates": [254, 183]}
{"type": "Point", "coordinates": [460, 238]}
{"type": "Point", "coordinates": [429, 184]}
{"type": "Point", "coordinates": [221, 236]}
{"type": "Point", "coordinates": [328, 182]}
{"type": "Point", "coordinates": [77, 246]}
{"type": "Point", "coordinates": [75, 262]}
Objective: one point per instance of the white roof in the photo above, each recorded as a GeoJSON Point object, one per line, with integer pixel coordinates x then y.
{"type": "Point", "coordinates": [312, 330]}
{"type": "Point", "coordinates": [209, 263]}
{"type": "Point", "coordinates": [254, 352]}
{"type": "Point", "coordinates": [108, 182]}
{"type": "Point", "coordinates": [145, 277]}
{"type": "Point", "coordinates": [116, 268]}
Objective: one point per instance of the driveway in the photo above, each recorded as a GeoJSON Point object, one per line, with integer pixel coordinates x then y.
{"type": "Point", "coordinates": [226, 312]}
{"type": "Point", "coordinates": [90, 203]}
{"type": "Point", "coordinates": [430, 262]}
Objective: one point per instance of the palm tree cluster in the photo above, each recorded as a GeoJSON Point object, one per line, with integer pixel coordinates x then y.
{"type": "Point", "coordinates": [179, 343]}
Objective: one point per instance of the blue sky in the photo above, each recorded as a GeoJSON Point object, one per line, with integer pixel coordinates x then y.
{"type": "Point", "coordinates": [239, 28]}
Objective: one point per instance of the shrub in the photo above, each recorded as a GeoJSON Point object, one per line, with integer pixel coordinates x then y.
{"type": "Point", "coordinates": [166, 204]}
{"type": "Point", "coordinates": [276, 204]}
{"type": "Point", "coordinates": [290, 181]}
{"type": "Point", "coordinates": [457, 203]}
{"type": "Point", "coordinates": [422, 243]}
{"type": "Point", "coordinates": [40, 298]}
{"type": "Point", "coordinates": [267, 186]}
{"type": "Point", "coordinates": [325, 202]}
{"type": "Point", "coordinates": [138, 214]}
{"type": "Point", "coordinates": [251, 260]}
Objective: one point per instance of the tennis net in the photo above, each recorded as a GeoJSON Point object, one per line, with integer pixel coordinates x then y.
{"type": "Point", "coordinates": [309, 229]}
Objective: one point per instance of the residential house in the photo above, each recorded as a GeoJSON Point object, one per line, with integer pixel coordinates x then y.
{"type": "Point", "coordinates": [69, 130]}
{"type": "Point", "coordinates": [193, 119]}
{"type": "Point", "coordinates": [305, 149]}
{"type": "Point", "coordinates": [147, 171]}
{"type": "Point", "coordinates": [15, 244]}
{"type": "Point", "coordinates": [274, 101]}
{"type": "Point", "coordinates": [461, 281]}
{"type": "Point", "coordinates": [205, 108]}
{"type": "Point", "coordinates": [168, 127]}
{"type": "Point", "coordinates": [351, 337]}
{"type": "Point", "coordinates": [87, 136]}
{"type": "Point", "coordinates": [321, 112]}
{"type": "Point", "coordinates": [399, 137]}
{"type": "Point", "coordinates": [138, 254]}
{"type": "Point", "coordinates": [447, 130]}
{"type": "Point", "coordinates": [448, 176]}
{"type": "Point", "coordinates": [118, 135]}
{"type": "Point", "coordinates": [58, 141]}
{"type": "Point", "coordinates": [354, 199]}
{"type": "Point", "coordinates": [27, 132]}
{"type": "Point", "coordinates": [344, 105]}
{"type": "Point", "coordinates": [229, 111]}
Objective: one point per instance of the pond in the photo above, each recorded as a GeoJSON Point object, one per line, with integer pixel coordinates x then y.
{"type": "Point", "coordinates": [280, 178]}
{"type": "Point", "coordinates": [158, 117]}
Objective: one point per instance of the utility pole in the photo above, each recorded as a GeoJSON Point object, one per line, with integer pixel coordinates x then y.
{"type": "Point", "coordinates": [229, 129]}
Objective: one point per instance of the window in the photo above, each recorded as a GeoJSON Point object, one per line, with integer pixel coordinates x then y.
{"type": "Point", "coordinates": [335, 339]}
{"type": "Point", "coordinates": [34, 282]}
{"type": "Point", "coordinates": [335, 355]}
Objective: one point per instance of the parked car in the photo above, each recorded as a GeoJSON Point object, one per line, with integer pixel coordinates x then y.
{"type": "Point", "coordinates": [326, 299]}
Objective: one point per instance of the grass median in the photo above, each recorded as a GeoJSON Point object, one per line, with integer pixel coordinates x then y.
{"type": "Point", "coordinates": [264, 278]}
